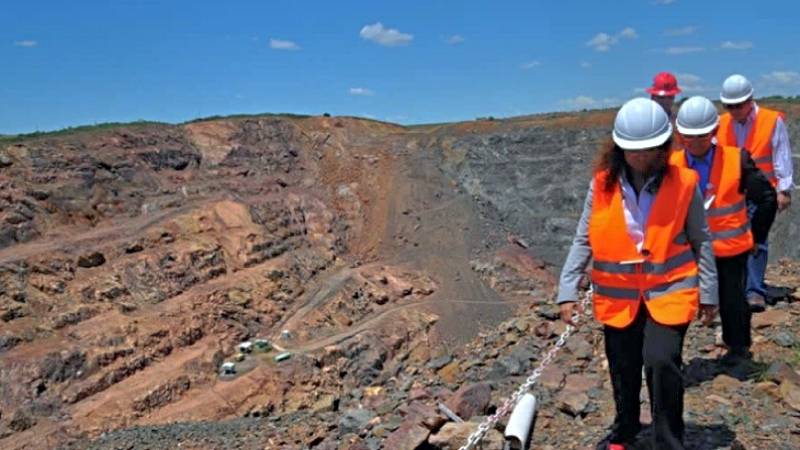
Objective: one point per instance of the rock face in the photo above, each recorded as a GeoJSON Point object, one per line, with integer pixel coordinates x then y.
{"type": "Point", "coordinates": [398, 274]}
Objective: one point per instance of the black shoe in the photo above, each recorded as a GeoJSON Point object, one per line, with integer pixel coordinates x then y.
{"type": "Point", "coordinates": [757, 302]}
{"type": "Point", "coordinates": [736, 356]}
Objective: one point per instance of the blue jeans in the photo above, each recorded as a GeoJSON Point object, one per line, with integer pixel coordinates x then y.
{"type": "Point", "coordinates": [757, 263]}
{"type": "Point", "coordinates": [756, 268]}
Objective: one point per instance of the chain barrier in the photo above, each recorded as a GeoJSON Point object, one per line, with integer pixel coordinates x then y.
{"type": "Point", "coordinates": [511, 401]}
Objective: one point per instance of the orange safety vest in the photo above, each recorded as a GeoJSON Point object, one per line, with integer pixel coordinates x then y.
{"type": "Point", "coordinates": [759, 140]}
{"type": "Point", "coordinates": [727, 214]}
{"type": "Point", "coordinates": [663, 275]}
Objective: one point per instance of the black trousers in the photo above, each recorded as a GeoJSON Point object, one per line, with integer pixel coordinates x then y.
{"type": "Point", "coordinates": [658, 348]}
{"type": "Point", "coordinates": [734, 311]}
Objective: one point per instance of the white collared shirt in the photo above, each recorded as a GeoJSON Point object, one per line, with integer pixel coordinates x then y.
{"type": "Point", "coordinates": [781, 150]}
{"type": "Point", "coordinates": [637, 209]}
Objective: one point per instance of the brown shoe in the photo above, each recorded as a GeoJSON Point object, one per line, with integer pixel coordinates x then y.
{"type": "Point", "coordinates": [756, 302]}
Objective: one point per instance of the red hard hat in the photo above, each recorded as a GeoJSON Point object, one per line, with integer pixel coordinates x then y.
{"type": "Point", "coordinates": [664, 85]}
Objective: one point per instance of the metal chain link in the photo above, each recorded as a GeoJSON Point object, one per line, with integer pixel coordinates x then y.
{"type": "Point", "coordinates": [511, 401]}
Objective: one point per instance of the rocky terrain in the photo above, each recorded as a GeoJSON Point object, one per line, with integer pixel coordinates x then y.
{"type": "Point", "coordinates": [390, 268]}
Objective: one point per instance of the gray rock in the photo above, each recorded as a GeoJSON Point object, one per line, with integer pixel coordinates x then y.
{"type": "Point", "coordinates": [438, 363]}
{"type": "Point", "coordinates": [8, 341]}
{"type": "Point", "coordinates": [355, 420]}
{"type": "Point", "coordinates": [784, 339]}
{"type": "Point", "coordinates": [549, 312]}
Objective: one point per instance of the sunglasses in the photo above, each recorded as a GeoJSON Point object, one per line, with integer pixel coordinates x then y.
{"type": "Point", "coordinates": [696, 136]}
{"type": "Point", "coordinates": [736, 105]}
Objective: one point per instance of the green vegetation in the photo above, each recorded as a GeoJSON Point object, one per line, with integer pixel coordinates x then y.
{"type": "Point", "coordinates": [781, 98]}
{"type": "Point", "coordinates": [10, 139]}
{"type": "Point", "coordinates": [249, 116]}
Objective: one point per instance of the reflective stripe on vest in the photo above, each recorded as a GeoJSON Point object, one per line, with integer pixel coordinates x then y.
{"type": "Point", "coordinates": [663, 276]}
{"type": "Point", "coordinates": [650, 294]}
{"type": "Point", "coordinates": [727, 215]}
{"type": "Point", "coordinates": [759, 139]}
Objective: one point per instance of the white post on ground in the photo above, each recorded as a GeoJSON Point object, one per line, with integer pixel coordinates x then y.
{"type": "Point", "coordinates": [520, 423]}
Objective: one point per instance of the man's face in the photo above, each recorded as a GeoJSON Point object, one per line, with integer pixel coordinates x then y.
{"type": "Point", "coordinates": [697, 145]}
{"type": "Point", "coordinates": [666, 101]}
{"type": "Point", "coordinates": [645, 162]}
{"type": "Point", "coordinates": [740, 111]}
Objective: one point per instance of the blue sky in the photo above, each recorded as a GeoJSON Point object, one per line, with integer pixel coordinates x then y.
{"type": "Point", "coordinates": [70, 63]}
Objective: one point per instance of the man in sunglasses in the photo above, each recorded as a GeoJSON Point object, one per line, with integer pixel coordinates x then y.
{"type": "Point", "coordinates": [729, 179]}
{"type": "Point", "coordinates": [762, 132]}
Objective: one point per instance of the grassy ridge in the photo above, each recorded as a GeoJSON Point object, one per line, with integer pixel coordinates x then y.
{"type": "Point", "coordinates": [10, 139]}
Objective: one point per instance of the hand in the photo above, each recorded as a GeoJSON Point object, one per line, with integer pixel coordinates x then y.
{"type": "Point", "coordinates": [567, 309]}
{"type": "Point", "coordinates": [707, 314]}
{"type": "Point", "coordinates": [784, 201]}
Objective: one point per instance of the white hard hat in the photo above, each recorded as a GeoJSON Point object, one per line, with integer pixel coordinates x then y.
{"type": "Point", "coordinates": [736, 89]}
{"type": "Point", "coordinates": [697, 115]}
{"type": "Point", "coordinates": [641, 123]}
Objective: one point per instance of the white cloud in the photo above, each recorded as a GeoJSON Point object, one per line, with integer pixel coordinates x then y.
{"type": "Point", "coordinates": [585, 64]}
{"type": "Point", "coordinates": [782, 77]}
{"type": "Point", "coordinates": [361, 91]}
{"type": "Point", "coordinates": [692, 84]}
{"type": "Point", "coordinates": [683, 50]}
{"type": "Point", "coordinates": [586, 102]}
{"type": "Point", "coordinates": [741, 45]}
{"type": "Point", "coordinates": [682, 31]}
{"type": "Point", "coordinates": [628, 33]}
{"type": "Point", "coordinates": [26, 43]}
{"type": "Point", "coordinates": [389, 37]}
{"type": "Point", "coordinates": [581, 101]}
{"type": "Point", "coordinates": [602, 42]}
{"type": "Point", "coordinates": [455, 39]}
{"type": "Point", "coordinates": [531, 64]}
{"type": "Point", "coordinates": [664, 2]}
{"type": "Point", "coordinates": [280, 44]}
{"type": "Point", "coordinates": [688, 78]}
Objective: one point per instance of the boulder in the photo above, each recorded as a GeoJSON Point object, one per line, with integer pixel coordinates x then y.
{"type": "Point", "coordinates": [453, 435]}
{"type": "Point", "coordinates": [470, 400]}
{"type": "Point", "coordinates": [409, 436]}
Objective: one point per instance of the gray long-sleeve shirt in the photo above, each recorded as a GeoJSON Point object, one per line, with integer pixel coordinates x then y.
{"type": "Point", "coordinates": [697, 233]}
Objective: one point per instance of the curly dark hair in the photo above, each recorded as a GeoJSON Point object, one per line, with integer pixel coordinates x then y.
{"type": "Point", "coordinates": [612, 159]}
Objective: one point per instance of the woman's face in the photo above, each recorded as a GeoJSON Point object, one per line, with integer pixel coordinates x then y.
{"type": "Point", "coordinates": [645, 162]}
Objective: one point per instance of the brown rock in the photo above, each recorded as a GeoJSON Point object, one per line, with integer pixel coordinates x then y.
{"type": "Point", "coordinates": [769, 318]}
{"type": "Point", "coordinates": [409, 436]}
{"type": "Point", "coordinates": [470, 400]}
{"type": "Point", "coordinates": [552, 377]}
{"type": "Point", "coordinates": [453, 435]}
{"type": "Point", "coordinates": [422, 414]}
{"type": "Point", "coordinates": [572, 403]}
{"type": "Point", "coordinates": [325, 403]}
{"type": "Point", "coordinates": [790, 393]}
{"type": "Point", "coordinates": [580, 348]}
{"type": "Point", "coordinates": [718, 399]}
{"type": "Point", "coordinates": [449, 373]}
{"type": "Point", "coordinates": [725, 383]}
{"type": "Point", "coordinates": [779, 371]}
{"type": "Point", "coordinates": [580, 383]}
{"type": "Point", "coordinates": [90, 260]}
{"type": "Point", "coordinates": [419, 393]}
{"type": "Point", "coordinates": [544, 330]}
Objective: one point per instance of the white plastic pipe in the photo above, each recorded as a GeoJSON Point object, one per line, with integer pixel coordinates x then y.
{"type": "Point", "coordinates": [518, 430]}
